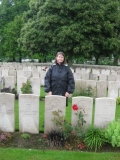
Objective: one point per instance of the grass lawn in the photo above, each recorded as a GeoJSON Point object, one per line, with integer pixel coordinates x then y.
{"type": "Point", "coordinates": [27, 154]}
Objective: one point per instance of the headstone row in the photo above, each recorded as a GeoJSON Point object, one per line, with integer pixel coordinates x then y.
{"type": "Point", "coordinates": [97, 88]}
{"type": "Point", "coordinates": [105, 109]}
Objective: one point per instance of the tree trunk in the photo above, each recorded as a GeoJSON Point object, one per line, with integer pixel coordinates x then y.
{"type": "Point", "coordinates": [13, 59]}
{"type": "Point", "coordinates": [115, 62]}
{"type": "Point", "coordinates": [70, 59]}
{"type": "Point", "coordinates": [20, 57]}
{"type": "Point", "coordinates": [96, 60]}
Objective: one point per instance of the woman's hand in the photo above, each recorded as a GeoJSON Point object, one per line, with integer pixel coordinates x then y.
{"type": "Point", "coordinates": [66, 94]}
{"type": "Point", "coordinates": [49, 93]}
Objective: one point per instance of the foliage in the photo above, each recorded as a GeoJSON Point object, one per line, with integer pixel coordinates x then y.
{"type": "Point", "coordinates": [4, 136]}
{"type": "Point", "coordinates": [89, 92]}
{"type": "Point", "coordinates": [55, 138]}
{"type": "Point", "coordinates": [105, 61]}
{"type": "Point", "coordinates": [10, 44]}
{"type": "Point", "coordinates": [63, 125]}
{"type": "Point", "coordinates": [82, 29]}
{"type": "Point", "coordinates": [94, 138]}
{"type": "Point", "coordinates": [71, 136]}
{"type": "Point", "coordinates": [74, 142]}
{"type": "Point", "coordinates": [10, 13]}
{"type": "Point", "coordinates": [112, 133]}
{"type": "Point", "coordinates": [79, 28]}
{"type": "Point", "coordinates": [78, 128]}
{"type": "Point", "coordinates": [26, 87]}
{"type": "Point", "coordinates": [25, 136]}
{"type": "Point", "coordinates": [118, 101]}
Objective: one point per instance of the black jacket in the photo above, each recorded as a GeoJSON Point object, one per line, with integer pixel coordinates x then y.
{"type": "Point", "coordinates": [59, 80]}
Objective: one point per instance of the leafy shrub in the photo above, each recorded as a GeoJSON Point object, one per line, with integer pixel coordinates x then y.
{"type": "Point", "coordinates": [94, 138]}
{"type": "Point", "coordinates": [118, 101]}
{"type": "Point", "coordinates": [71, 136]}
{"type": "Point", "coordinates": [74, 142]}
{"type": "Point", "coordinates": [26, 87]}
{"type": "Point", "coordinates": [4, 136]}
{"type": "Point", "coordinates": [63, 125]}
{"type": "Point", "coordinates": [25, 136]}
{"type": "Point", "coordinates": [112, 133]}
{"type": "Point", "coordinates": [55, 138]}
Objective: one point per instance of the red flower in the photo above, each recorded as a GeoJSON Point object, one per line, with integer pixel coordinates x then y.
{"type": "Point", "coordinates": [44, 136]}
{"type": "Point", "coordinates": [75, 107]}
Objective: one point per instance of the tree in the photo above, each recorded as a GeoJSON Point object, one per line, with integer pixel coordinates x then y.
{"type": "Point", "coordinates": [12, 32]}
{"type": "Point", "coordinates": [29, 38]}
{"type": "Point", "coordinates": [4, 18]}
{"type": "Point", "coordinates": [9, 9]}
{"type": "Point", "coordinates": [77, 27]}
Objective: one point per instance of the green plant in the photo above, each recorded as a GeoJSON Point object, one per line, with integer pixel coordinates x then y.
{"type": "Point", "coordinates": [25, 136]}
{"type": "Point", "coordinates": [55, 138]}
{"type": "Point", "coordinates": [112, 133]}
{"type": "Point", "coordinates": [5, 136]}
{"type": "Point", "coordinates": [71, 136]}
{"type": "Point", "coordinates": [63, 125]}
{"type": "Point", "coordinates": [74, 142]}
{"type": "Point", "coordinates": [94, 138]}
{"type": "Point", "coordinates": [80, 122]}
{"type": "Point", "coordinates": [26, 87]}
{"type": "Point", "coordinates": [118, 101]}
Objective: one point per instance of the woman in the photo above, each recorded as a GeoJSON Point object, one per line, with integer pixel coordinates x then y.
{"type": "Point", "coordinates": [59, 78]}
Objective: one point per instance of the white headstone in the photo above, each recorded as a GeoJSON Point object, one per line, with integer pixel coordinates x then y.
{"type": "Point", "coordinates": [105, 71]}
{"type": "Point", "coordinates": [96, 71]}
{"type": "Point", "coordinates": [20, 73]}
{"type": "Point", "coordinates": [27, 74]}
{"type": "Point", "coordinates": [79, 85]}
{"type": "Point", "coordinates": [102, 77]}
{"type": "Point", "coordinates": [7, 120]}
{"type": "Point", "coordinates": [10, 82]}
{"type": "Point", "coordinates": [118, 79]}
{"type": "Point", "coordinates": [13, 73]}
{"type": "Point", "coordinates": [85, 76]}
{"type": "Point", "coordinates": [85, 105]}
{"type": "Point", "coordinates": [39, 68]}
{"type": "Point", "coordinates": [42, 76]}
{"type": "Point", "coordinates": [35, 73]}
{"type": "Point", "coordinates": [77, 75]}
{"type": "Point", "coordinates": [77, 70]}
{"type": "Point", "coordinates": [5, 72]}
{"type": "Point", "coordinates": [91, 84]}
{"type": "Point", "coordinates": [53, 103]}
{"type": "Point", "coordinates": [101, 88]}
{"type": "Point", "coordinates": [35, 83]}
{"type": "Point", "coordinates": [113, 72]}
{"type": "Point", "coordinates": [113, 87]}
{"type": "Point", "coordinates": [111, 77]}
{"type": "Point", "coordinates": [105, 109]}
{"type": "Point", "coordinates": [29, 113]}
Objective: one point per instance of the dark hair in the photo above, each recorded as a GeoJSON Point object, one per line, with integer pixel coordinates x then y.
{"type": "Point", "coordinates": [60, 53]}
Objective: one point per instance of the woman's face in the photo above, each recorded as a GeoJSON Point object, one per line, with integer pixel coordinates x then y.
{"type": "Point", "coordinates": [60, 58]}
